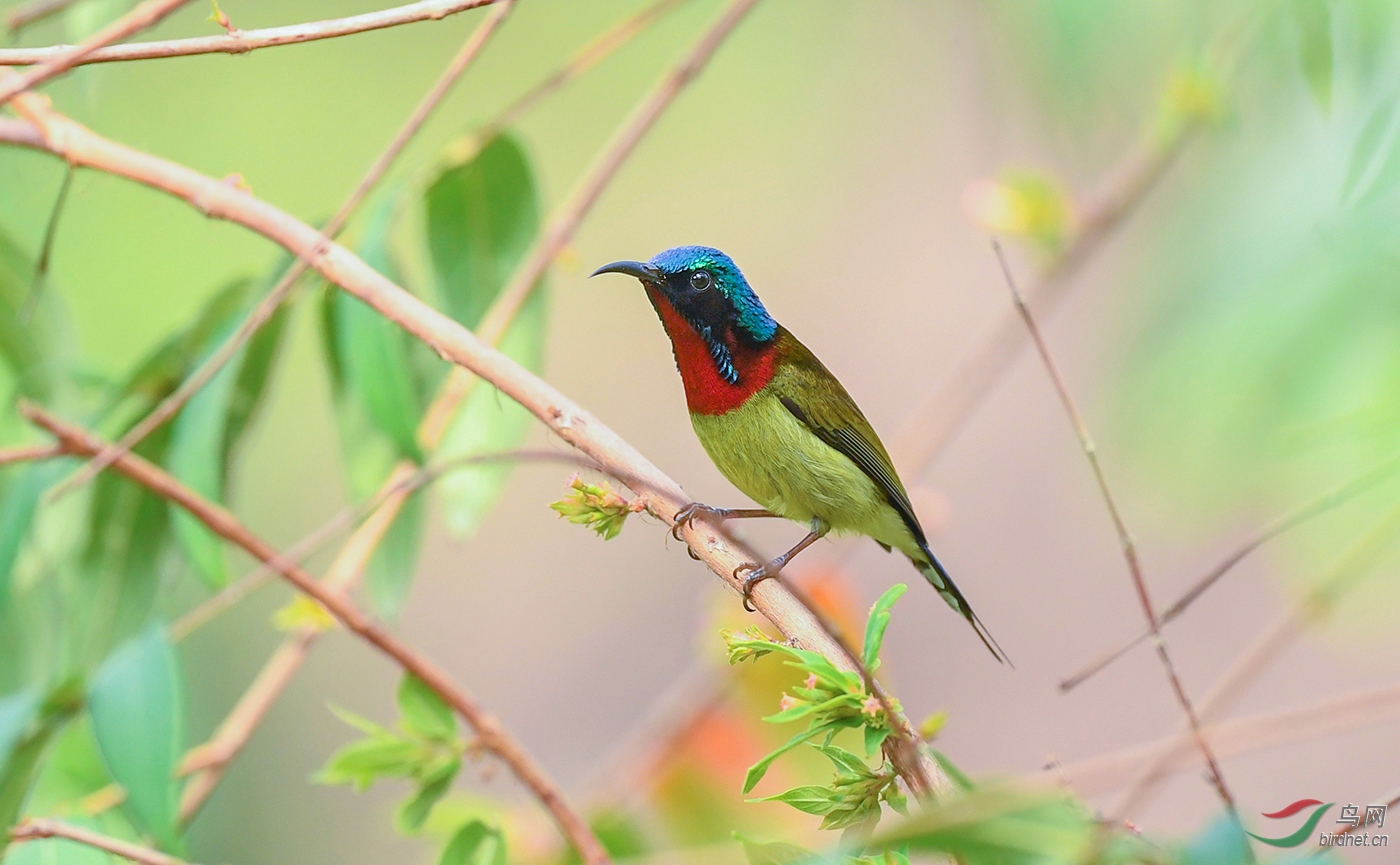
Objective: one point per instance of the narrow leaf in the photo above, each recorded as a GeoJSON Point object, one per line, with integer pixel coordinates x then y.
{"type": "Point", "coordinates": [759, 769]}
{"type": "Point", "coordinates": [395, 560]}
{"type": "Point", "coordinates": [1314, 21]}
{"type": "Point", "coordinates": [414, 811]}
{"type": "Point", "coordinates": [462, 849]}
{"type": "Point", "coordinates": [423, 712]}
{"type": "Point", "coordinates": [137, 704]}
{"type": "Point", "coordinates": [877, 622]}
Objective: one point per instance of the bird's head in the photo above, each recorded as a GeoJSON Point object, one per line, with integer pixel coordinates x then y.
{"type": "Point", "coordinates": [706, 288]}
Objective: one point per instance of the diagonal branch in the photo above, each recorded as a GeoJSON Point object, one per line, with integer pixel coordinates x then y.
{"type": "Point", "coordinates": [1125, 538]}
{"type": "Point", "coordinates": [25, 14]}
{"type": "Point", "coordinates": [566, 419]}
{"type": "Point", "coordinates": [1278, 526]}
{"type": "Point", "coordinates": [210, 759]}
{"type": "Point", "coordinates": [145, 15]}
{"type": "Point", "coordinates": [38, 830]}
{"type": "Point", "coordinates": [1311, 608]}
{"type": "Point", "coordinates": [243, 41]}
{"type": "Point", "coordinates": [268, 307]}
{"type": "Point", "coordinates": [490, 733]}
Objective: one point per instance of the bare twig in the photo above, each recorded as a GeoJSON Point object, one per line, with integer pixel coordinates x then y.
{"type": "Point", "coordinates": [1125, 538]}
{"type": "Point", "coordinates": [45, 130]}
{"type": "Point", "coordinates": [1347, 573]}
{"type": "Point", "coordinates": [244, 41]}
{"type": "Point", "coordinates": [28, 453]}
{"type": "Point", "coordinates": [585, 59]}
{"type": "Point", "coordinates": [41, 266]}
{"type": "Point", "coordinates": [144, 15]}
{"type": "Point", "coordinates": [492, 736]}
{"type": "Point", "coordinates": [38, 830]}
{"type": "Point", "coordinates": [1237, 736]}
{"type": "Point", "coordinates": [1279, 525]}
{"type": "Point", "coordinates": [566, 220]}
{"type": "Point", "coordinates": [264, 311]}
{"type": "Point", "coordinates": [25, 14]}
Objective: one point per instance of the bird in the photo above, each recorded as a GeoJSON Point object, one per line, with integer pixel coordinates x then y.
{"type": "Point", "coordinates": [777, 423]}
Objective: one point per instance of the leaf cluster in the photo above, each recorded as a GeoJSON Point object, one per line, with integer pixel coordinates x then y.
{"type": "Point", "coordinates": [832, 700]}
{"type": "Point", "coordinates": [596, 506]}
{"type": "Point", "coordinates": [423, 749]}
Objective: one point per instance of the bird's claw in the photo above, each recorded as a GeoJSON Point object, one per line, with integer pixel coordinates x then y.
{"type": "Point", "coordinates": [757, 574]}
{"type": "Point", "coordinates": [687, 514]}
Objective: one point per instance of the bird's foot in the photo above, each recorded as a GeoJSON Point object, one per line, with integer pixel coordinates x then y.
{"type": "Point", "coordinates": [687, 514]}
{"type": "Point", "coordinates": [757, 574]}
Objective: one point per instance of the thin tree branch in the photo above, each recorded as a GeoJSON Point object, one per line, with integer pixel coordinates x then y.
{"type": "Point", "coordinates": [268, 307]}
{"type": "Point", "coordinates": [491, 735]}
{"type": "Point", "coordinates": [567, 219]}
{"type": "Point", "coordinates": [38, 830]}
{"type": "Point", "coordinates": [1125, 538]}
{"type": "Point", "coordinates": [1312, 607]}
{"type": "Point", "coordinates": [144, 15]}
{"type": "Point", "coordinates": [1390, 800]}
{"type": "Point", "coordinates": [243, 41]}
{"type": "Point", "coordinates": [210, 759]}
{"type": "Point", "coordinates": [28, 453]}
{"type": "Point", "coordinates": [586, 58]}
{"type": "Point", "coordinates": [1278, 526]}
{"type": "Point", "coordinates": [1235, 737]}
{"type": "Point", "coordinates": [46, 130]}
{"type": "Point", "coordinates": [25, 14]}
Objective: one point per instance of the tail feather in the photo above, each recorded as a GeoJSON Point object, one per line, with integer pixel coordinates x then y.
{"type": "Point", "coordinates": [934, 572]}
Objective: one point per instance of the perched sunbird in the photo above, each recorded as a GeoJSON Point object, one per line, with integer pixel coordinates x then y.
{"type": "Point", "coordinates": [776, 423]}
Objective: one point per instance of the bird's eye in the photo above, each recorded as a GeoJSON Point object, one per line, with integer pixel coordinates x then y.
{"type": "Point", "coordinates": [701, 280]}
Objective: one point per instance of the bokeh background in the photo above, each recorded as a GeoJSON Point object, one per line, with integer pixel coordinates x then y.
{"type": "Point", "coordinates": [1235, 347]}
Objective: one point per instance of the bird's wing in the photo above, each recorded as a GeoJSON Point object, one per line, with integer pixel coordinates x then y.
{"type": "Point", "coordinates": [819, 401]}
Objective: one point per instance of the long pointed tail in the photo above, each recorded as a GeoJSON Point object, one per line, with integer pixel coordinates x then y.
{"type": "Point", "coordinates": [938, 577]}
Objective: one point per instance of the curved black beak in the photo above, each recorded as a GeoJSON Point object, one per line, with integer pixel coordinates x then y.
{"type": "Point", "coordinates": [640, 269]}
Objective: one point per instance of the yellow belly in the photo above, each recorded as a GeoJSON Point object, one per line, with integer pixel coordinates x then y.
{"type": "Point", "coordinates": [775, 460]}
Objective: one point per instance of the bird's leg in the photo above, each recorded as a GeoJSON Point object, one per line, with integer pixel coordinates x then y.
{"type": "Point", "coordinates": [759, 573]}
{"type": "Point", "coordinates": [688, 513]}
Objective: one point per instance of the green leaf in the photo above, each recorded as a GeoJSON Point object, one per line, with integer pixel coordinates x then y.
{"type": "Point", "coordinates": [1314, 21]}
{"type": "Point", "coordinates": [1221, 842]}
{"type": "Point", "coordinates": [482, 216]}
{"type": "Point", "coordinates": [1005, 826]}
{"type": "Point", "coordinates": [17, 515]}
{"type": "Point", "coordinates": [844, 759]}
{"type": "Point", "coordinates": [17, 711]}
{"type": "Point", "coordinates": [137, 704]}
{"type": "Point", "coordinates": [361, 763]}
{"type": "Point", "coordinates": [876, 624]}
{"type": "Point", "coordinates": [874, 738]}
{"type": "Point", "coordinates": [423, 712]}
{"type": "Point", "coordinates": [776, 852]}
{"type": "Point", "coordinates": [471, 842]}
{"type": "Point", "coordinates": [374, 358]}
{"type": "Point", "coordinates": [27, 747]}
{"type": "Point", "coordinates": [395, 561]}
{"type": "Point", "coordinates": [22, 344]}
{"type": "Point", "coordinates": [373, 365]}
{"type": "Point", "coordinates": [432, 787]}
{"type": "Point", "coordinates": [809, 799]}
{"type": "Point", "coordinates": [759, 769]}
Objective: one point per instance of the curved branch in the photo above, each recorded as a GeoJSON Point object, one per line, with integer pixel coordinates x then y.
{"type": "Point", "coordinates": [145, 15]}
{"type": "Point", "coordinates": [565, 418]}
{"type": "Point", "coordinates": [243, 41]}
{"type": "Point", "coordinates": [490, 733]}
{"type": "Point", "coordinates": [38, 830]}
